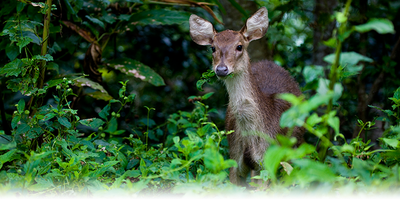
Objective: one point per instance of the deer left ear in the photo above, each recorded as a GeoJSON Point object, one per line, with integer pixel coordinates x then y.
{"type": "Point", "coordinates": [256, 26]}
{"type": "Point", "coordinates": [201, 30]}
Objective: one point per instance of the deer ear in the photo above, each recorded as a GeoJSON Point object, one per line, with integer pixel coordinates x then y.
{"type": "Point", "coordinates": [201, 30]}
{"type": "Point", "coordinates": [256, 26]}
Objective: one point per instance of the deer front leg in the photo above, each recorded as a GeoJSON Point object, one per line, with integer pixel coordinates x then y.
{"type": "Point", "coordinates": [237, 175]}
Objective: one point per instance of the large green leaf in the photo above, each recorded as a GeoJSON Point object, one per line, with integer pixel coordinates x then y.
{"type": "Point", "coordinates": [349, 61]}
{"type": "Point", "coordinates": [348, 58]}
{"type": "Point", "coordinates": [41, 184]}
{"type": "Point", "coordinates": [64, 121]}
{"type": "Point", "coordinates": [100, 94]}
{"type": "Point", "coordinates": [160, 17]}
{"type": "Point", "coordinates": [92, 122]}
{"type": "Point", "coordinates": [7, 157]}
{"type": "Point", "coordinates": [13, 68]}
{"type": "Point", "coordinates": [96, 21]}
{"type": "Point", "coordinates": [137, 69]}
{"type": "Point", "coordinates": [382, 26]}
{"type": "Point", "coordinates": [12, 51]}
{"type": "Point", "coordinates": [312, 171]}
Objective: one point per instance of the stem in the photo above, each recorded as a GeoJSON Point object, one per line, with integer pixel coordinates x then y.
{"type": "Point", "coordinates": [187, 168]}
{"type": "Point", "coordinates": [147, 132]}
{"type": "Point", "coordinates": [333, 77]}
{"type": "Point", "coordinates": [42, 67]}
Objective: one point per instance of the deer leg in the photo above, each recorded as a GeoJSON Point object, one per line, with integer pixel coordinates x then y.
{"type": "Point", "coordinates": [239, 174]}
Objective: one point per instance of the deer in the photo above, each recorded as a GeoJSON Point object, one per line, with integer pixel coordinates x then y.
{"type": "Point", "coordinates": [253, 110]}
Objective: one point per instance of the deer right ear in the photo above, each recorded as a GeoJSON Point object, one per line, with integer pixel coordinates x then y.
{"type": "Point", "coordinates": [256, 26]}
{"type": "Point", "coordinates": [201, 30]}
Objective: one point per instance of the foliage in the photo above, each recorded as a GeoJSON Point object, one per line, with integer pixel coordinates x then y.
{"type": "Point", "coordinates": [77, 129]}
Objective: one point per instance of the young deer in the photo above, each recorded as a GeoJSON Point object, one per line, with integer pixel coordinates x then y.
{"type": "Point", "coordinates": [253, 108]}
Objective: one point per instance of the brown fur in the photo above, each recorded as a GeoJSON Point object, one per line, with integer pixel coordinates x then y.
{"type": "Point", "coordinates": [267, 80]}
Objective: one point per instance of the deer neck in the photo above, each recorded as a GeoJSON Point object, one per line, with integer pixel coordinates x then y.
{"type": "Point", "coordinates": [244, 101]}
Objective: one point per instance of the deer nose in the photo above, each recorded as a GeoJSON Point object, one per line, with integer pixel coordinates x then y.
{"type": "Point", "coordinates": [221, 70]}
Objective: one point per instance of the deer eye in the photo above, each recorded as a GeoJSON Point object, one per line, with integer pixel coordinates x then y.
{"type": "Point", "coordinates": [213, 49]}
{"type": "Point", "coordinates": [239, 48]}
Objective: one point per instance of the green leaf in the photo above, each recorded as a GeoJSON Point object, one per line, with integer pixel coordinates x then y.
{"type": "Point", "coordinates": [7, 142]}
{"type": "Point", "coordinates": [382, 26]}
{"type": "Point", "coordinates": [13, 68]}
{"type": "Point", "coordinates": [96, 185]}
{"type": "Point", "coordinates": [341, 17]}
{"type": "Point", "coordinates": [49, 116]}
{"type": "Point", "coordinates": [395, 129]}
{"type": "Point", "coordinates": [92, 122]}
{"type": "Point", "coordinates": [64, 121]}
{"type": "Point", "coordinates": [291, 98]}
{"type": "Point", "coordinates": [119, 132]}
{"type": "Point", "coordinates": [112, 125]}
{"type": "Point", "coordinates": [54, 82]}
{"type": "Point", "coordinates": [46, 57]}
{"type": "Point", "coordinates": [100, 95]}
{"type": "Point", "coordinates": [109, 18]}
{"type": "Point", "coordinates": [323, 88]}
{"type": "Point", "coordinates": [96, 21]}
{"type": "Point", "coordinates": [396, 94]}
{"type": "Point", "coordinates": [132, 173]}
{"type": "Point", "coordinates": [21, 106]}
{"type": "Point", "coordinates": [348, 59]}
{"type": "Point", "coordinates": [124, 17]}
{"type": "Point", "coordinates": [103, 168]}
{"type": "Point", "coordinates": [12, 52]}
{"type": "Point", "coordinates": [23, 129]}
{"type": "Point", "coordinates": [312, 73]}
{"type": "Point", "coordinates": [41, 184]}
{"type": "Point", "coordinates": [85, 82]}
{"type": "Point", "coordinates": [105, 112]}
{"type": "Point", "coordinates": [206, 96]}
{"type": "Point", "coordinates": [71, 11]}
{"type": "Point", "coordinates": [137, 69]}
{"type": "Point", "coordinates": [15, 120]}
{"type": "Point", "coordinates": [313, 120]}
{"type": "Point", "coordinates": [200, 83]}
{"type": "Point", "coordinates": [6, 157]}
{"type": "Point", "coordinates": [273, 157]}
{"type": "Point", "coordinates": [391, 142]}
{"type": "Point", "coordinates": [131, 97]}
{"type": "Point", "coordinates": [22, 42]}
{"type": "Point", "coordinates": [143, 168]}
{"type": "Point", "coordinates": [115, 101]}
{"type": "Point", "coordinates": [330, 43]}
{"type": "Point", "coordinates": [160, 17]}
{"type": "Point", "coordinates": [53, 66]}
{"type": "Point", "coordinates": [311, 171]}
{"type": "Point", "coordinates": [334, 122]}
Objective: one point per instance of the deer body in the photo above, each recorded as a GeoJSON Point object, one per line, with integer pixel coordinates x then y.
{"type": "Point", "coordinates": [253, 110]}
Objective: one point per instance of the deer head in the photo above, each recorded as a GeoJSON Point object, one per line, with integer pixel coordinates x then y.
{"type": "Point", "coordinates": [229, 47]}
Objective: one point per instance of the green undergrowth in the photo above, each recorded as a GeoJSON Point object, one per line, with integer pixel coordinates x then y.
{"type": "Point", "coordinates": [192, 159]}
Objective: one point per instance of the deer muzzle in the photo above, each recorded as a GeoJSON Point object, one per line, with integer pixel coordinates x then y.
{"type": "Point", "coordinates": [222, 70]}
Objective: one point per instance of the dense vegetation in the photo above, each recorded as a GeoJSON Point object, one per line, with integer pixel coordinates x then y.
{"type": "Point", "coordinates": [111, 97]}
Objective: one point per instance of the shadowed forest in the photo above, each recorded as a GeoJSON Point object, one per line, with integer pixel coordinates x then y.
{"type": "Point", "coordinates": [113, 97]}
